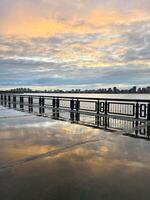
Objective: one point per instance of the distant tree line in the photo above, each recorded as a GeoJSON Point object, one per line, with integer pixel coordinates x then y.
{"type": "Point", "coordinates": [113, 90]}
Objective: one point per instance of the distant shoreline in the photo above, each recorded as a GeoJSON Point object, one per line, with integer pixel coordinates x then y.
{"type": "Point", "coordinates": [36, 92]}
{"type": "Point", "coordinates": [114, 90]}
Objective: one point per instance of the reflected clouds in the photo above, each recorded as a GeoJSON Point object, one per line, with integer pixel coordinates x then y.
{"type": "Point", "coordinates": [72, 165]}
{"type": "Point", "coordinates": [50, 159]}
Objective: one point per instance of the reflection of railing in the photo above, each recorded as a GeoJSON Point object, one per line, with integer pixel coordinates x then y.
{"type": "Point", "coordinates": [103, 112]}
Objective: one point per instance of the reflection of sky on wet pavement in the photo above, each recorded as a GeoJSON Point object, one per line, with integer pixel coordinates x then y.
{"type": "Point", "coordinates": [46, 159]}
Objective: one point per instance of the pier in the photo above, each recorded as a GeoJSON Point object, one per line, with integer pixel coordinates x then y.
{"type": "Point", "coordinates": [112, 114]}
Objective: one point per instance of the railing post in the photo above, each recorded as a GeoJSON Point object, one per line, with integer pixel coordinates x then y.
{"type": "Point", "coordinates": [21, 103]}
{"type": "Point", "coordinates": [57, 105]}
{"type": "Point", "coordinates": [148, 111]}
{"type": "Point", "coordinates": [148, 119]}
{"type": "Point", "coordinates": [1, 99]}
{"type": "Point", "coordinates": [97, 119]}
{"type": "Point", "coordinates": [57, 102]}
{"type": "Point", "coordinates": [29, 103]}
{"type": "Point", "coordinates": [54, 104]}
{"type": "Point", "coordinates": [14, 102]}
{"type": "Point", "coordinates": [137, 117]}
{"type": "Point", "coordinates": [106, 114]}
{"type": "Point", "coordinates": [137, 111]}
{"type": "Point", "coordinates": [77, 110]}
{"type": "Point", "coordinates": [9, 101]}
{"type": "Point", "coordinates": [72, 109]}
{"type": "Point", "coordinates": [5, 100]}
{"type": "Point", "coordinates": [41, 105]}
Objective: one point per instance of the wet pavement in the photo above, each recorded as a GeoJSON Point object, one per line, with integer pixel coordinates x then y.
{"type": "Point", "coordinates": [45, 159]}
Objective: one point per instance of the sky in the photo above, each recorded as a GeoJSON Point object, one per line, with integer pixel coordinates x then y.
{"type": "Point", "coordinates": [64, 44]}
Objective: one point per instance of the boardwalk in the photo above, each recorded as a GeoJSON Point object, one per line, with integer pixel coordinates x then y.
{"type": "Point", "coordinates": [42, 158]}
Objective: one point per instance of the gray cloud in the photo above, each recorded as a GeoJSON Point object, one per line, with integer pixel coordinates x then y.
{"type": "Point", "coordinates": [14, 73]}
{"type": "Point", "coordinates": [77, 59]}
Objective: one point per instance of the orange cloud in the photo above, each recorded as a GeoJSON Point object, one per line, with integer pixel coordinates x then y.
{"type": "Point", "coordinates": [26, 21]}
{"type": "Point", "coordinates": [103, 17]}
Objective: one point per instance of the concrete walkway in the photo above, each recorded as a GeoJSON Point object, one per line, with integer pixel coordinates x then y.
{"type": "Point", "coordinates": [46, 159]}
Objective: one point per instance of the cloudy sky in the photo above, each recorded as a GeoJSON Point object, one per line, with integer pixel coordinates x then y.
{"type": "Point", "coordinates": [74, 44]}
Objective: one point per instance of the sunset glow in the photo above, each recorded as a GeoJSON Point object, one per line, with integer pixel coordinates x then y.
{"type": "Point", "coordinates": [79, 44]}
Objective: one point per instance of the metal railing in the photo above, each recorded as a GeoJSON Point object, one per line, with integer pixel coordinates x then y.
{"type": "Point", "coordinates": [134, 111]}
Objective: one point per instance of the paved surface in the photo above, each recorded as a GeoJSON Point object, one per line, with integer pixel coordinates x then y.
{"type": "Point", "coordinates": [45, 159]}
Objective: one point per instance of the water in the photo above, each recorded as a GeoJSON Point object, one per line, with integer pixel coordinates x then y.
{"type": "Point", "coordinates": [116, 96]}
{"type": "Point", "coordinates": [42, 158]}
